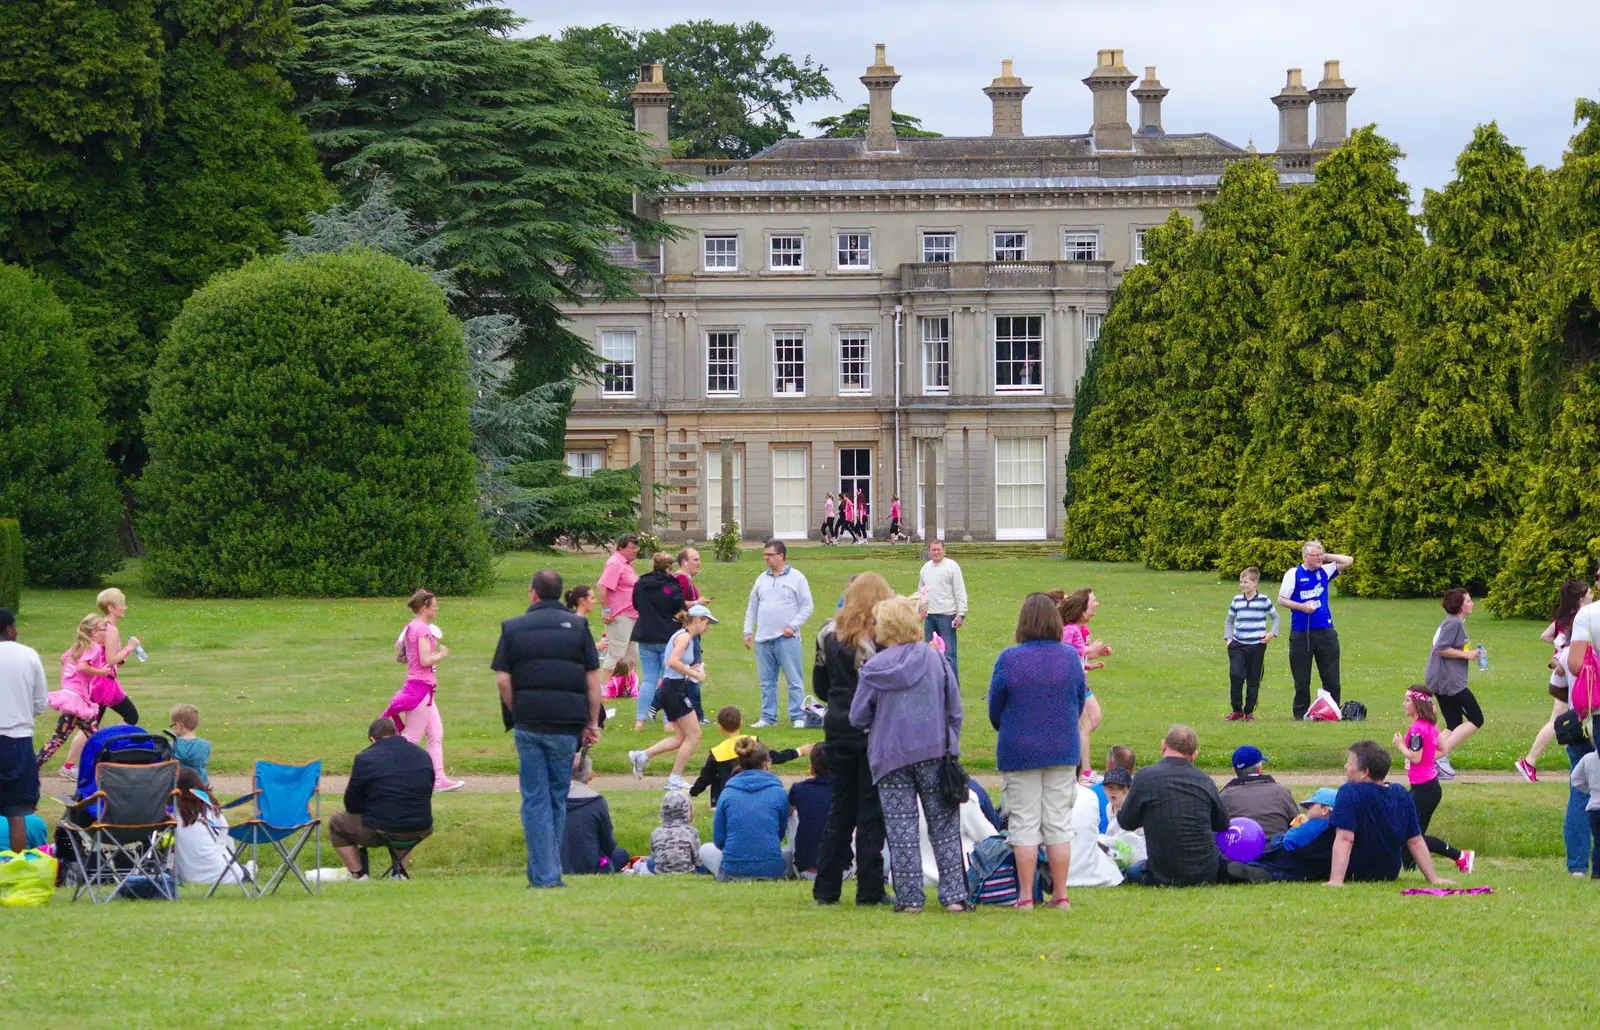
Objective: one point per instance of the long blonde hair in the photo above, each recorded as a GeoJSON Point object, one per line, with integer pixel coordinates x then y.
{"type": "Point", "coordinates": [86, 628]}
{"type": "Point", "coordinates": [854, 623]}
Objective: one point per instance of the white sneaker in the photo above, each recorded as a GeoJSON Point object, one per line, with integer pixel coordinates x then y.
{"type": "Point", "coordinates": [799, 724]}
{"type": "Point", "coordinates": [638, 760]}
{"type": "Point", "coordinates": [762, 724]}
{"type": "Point", "coordinates": [1446, 770]}
{"type": "Point", "coordinates": [676, 782]}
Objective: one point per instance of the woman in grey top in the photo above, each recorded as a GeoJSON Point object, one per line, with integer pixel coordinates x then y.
{"type": "Point", "coordinates": [1446, 678]}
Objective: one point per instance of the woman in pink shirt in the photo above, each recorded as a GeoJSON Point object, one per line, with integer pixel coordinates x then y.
{"type": "Point", "coordinates": [86, 658]}
{"type": "Point", "coordinates": [413, 708]}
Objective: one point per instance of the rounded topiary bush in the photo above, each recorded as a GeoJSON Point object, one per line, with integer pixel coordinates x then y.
{"type": "Point", "coordinates": [308, 435]}
{"type": "Point", "coordinates": [55, 479]}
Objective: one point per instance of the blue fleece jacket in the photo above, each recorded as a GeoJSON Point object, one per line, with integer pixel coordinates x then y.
{"type": "Point", "coordinates": [1036, 694]}
{"type": "Point", "coordinates": [752, 817]}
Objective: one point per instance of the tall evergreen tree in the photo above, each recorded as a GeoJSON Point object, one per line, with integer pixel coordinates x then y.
{"type": "Point", "coordinates": [1216, 352]}
{"type": "Point", "coordinates": [1555, 535]}
{"type": "Point", "coordinates": [1337, 313]}
{"type": "Point", "coordinates": [1111, 490]}
{"type": "Point", "coordinates": [1439, 475]}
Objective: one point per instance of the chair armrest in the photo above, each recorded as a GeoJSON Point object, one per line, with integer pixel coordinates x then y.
{"type": "Point", "coordinates": [236, 802]}
{"type": "Point", "coordinates": [96, 796]}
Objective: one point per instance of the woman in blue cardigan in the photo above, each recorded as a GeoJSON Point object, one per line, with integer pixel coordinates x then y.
{"type": "Point", "coordinates": [1036, 695]}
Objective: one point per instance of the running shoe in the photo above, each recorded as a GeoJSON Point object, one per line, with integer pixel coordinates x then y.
{"type": "Point", "coordinates": [446, 786]}
{"type": "Point", "coordinates": [1464, 863]}
{"type": "Point", "coordinates": [1446, 770]}
{"type": "Point", "coordinates": [676, 782]}
{"type": "Point", "coordinates": [69, 771]}
{"type": "Point", "coordinates": [1526, 768]}
{"type": "Point", "coordinates": [1233, 717]}
{"type": "Point", "coordinates": [637, 760]}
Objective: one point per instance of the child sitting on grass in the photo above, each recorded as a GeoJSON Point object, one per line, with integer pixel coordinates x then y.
{"type": "Point", "coordinates": [809, 802]}
{"type": "Point", "coordinates": [748, 832]}
{"type": "Point", "coordinates": [675, 844]}
{"type": "Point", "coordinates": [192, 752]}
{"type": "Point", "coordinates": [624, 682]}
{"type": "Point", "coordinates": [722, 762]}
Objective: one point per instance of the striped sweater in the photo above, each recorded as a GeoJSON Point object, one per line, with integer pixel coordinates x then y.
{"type": "Point", "coordinates": [1247, 619]}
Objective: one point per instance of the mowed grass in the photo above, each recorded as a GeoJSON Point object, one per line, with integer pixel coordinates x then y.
{"type": "Point", "coordinates": [296, 680]}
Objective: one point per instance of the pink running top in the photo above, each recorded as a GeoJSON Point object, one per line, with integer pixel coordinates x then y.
{"type": "Point", "coordinates": [415, 630]}
{"type": "Point", "coordinates": [1074, 636]}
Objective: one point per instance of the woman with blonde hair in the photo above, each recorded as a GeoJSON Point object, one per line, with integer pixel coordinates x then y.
{"type": "Point", "coordinates": [907, 701]}
{"type": "Point", "coordinates": [413, 708]}
{"type": "Point", "coordinates": [844, 644]}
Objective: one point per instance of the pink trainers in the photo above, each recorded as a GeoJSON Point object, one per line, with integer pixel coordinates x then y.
{"type": "Point", "coordinates": [1529, 773]}
{"type": "Point", "coordinates": [1464, 863]}
{"type": "Point", "coordinates": [445, 786]}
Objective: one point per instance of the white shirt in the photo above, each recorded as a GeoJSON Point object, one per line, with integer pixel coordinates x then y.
{"type": "Point", "coordinates": [945, 589]}
{"type": "Point", "coordinates": [22, 694]}
{"type": "Point", "coordinates": [1585, 623]}
{"type": "Point", "coordinates": [200, 851]}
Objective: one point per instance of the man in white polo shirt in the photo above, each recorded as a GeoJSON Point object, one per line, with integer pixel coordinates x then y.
{"type": "Point", "coordinates": [946, 593]}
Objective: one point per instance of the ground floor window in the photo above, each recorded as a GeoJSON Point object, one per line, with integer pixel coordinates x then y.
{"type": "Point", "coordinates": [855, 480]}
{"type": "Point", "coordinates": [585, 463]}
{"type": "Point", "coordinates": [789, 493]}
{"type": "Point", "coordinates": [713, 503]}
{"type": "Point", "coordinates": [1019, 486]}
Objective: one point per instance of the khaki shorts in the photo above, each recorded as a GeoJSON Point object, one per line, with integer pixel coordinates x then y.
{"type": "Point", "coordinates": [346, 830]}
{"type": "Point", "coordinates": [1039, 805]}
{"type": "Point", "coordinates": [619, 643]}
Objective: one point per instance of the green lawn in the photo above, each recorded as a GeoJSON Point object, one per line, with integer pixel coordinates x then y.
{"type": "Point", "coordinates": [299, 679]}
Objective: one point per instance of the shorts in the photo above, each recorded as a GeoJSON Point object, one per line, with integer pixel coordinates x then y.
{"type": "Point", "coordinates": [672, 697]}
{"type": "Point", "coordinates": [346, 830]}
{"type": "Point", "coordinates": [1455, 707]}
{"type": "Point", "coordinates": [19, 777]}
{"type": "Point", "coordinates": [1560, 692]}
{"type": "Point", "coordinates": [1038, 805]}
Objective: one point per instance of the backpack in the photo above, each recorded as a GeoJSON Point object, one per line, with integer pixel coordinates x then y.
{"type": "Point", "coordinates": [1353, 711]}
{"type": "Point", "coordinates": [1585, 693]}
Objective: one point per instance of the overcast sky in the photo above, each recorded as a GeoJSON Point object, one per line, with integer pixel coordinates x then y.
{"type": "Point", "coordinates": [1426, 71]}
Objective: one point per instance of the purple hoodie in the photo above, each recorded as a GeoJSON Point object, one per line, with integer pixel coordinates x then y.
{"type": "Point", "coordinates": [908, 701]}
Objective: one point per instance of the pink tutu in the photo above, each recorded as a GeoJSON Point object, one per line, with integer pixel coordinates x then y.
{"type": "Point", "coordinates": [414, 694]}
{"type": "Point", "coordinates": [105, 690]}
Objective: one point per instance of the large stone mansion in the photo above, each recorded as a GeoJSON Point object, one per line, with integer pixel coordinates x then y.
{"type": "Point", "coordinates": [838, 307]}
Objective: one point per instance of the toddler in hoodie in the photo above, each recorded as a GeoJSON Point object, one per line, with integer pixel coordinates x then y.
{"type": "Point", "coordinates": [675, 844]}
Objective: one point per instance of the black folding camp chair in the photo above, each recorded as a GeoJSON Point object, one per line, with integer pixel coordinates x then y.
{"type": "Point", "coordinates": [121, 836]}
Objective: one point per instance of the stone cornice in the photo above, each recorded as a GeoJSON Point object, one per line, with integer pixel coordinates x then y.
{"type": "Point", "coordinates": [917, 200]}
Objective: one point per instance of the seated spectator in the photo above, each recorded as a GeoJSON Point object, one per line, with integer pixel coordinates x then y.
{"type": "Point", "coordinates": [36, 832]}
{"type": "Point", "coordinates": [589, 844]}
{"type": "Point", "coordinates": [1182, 813]}
{"type": "Point", "coordinates": [748, 832]}
{"type": "Point", "coordinates": [809, 801]}
{"type": "Point", "coordinates": [1091, 866]}
{"type": "Point", "coordinates": [722, 763]}
{"type": "Point", "coordinates": [390, 793]}
{"type": "Point", "coordinates": [1119, 757]}
{"type": "Point", "coordinates": [1127, 846]}
{"type": "Point", "coordinates": [192, 752]}
{"type": "Point", "coordinates": [201, 848]}
{"type": "Point", "coordinates": [1375, 822]}
{"type": "Point", "coordinates": [1252, 794]}
{"type": "Point", "coordinates": [1304, 852]}
{"type": "Point", "coordinates": [675, 844]}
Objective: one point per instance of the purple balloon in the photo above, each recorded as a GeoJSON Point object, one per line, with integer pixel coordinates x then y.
{"type": "Point", "coordinates": [1243, 840]}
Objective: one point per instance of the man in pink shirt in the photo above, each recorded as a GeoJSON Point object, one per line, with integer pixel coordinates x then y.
{"type": "Point", "coordinates": [615, 594]}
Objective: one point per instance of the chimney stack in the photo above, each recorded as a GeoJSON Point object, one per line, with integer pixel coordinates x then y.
{"type": "Point", "coordinates": [1150, 93]}
{"type": "Point", "coordinates": [652, 101]}
{"type": "Point", "coordinates": [1109, 83]}
{"type": "Point", "coordinates": [880, 80]}
{"type": "Point", "coordinates": [1006, 94]}
{"type": "Point", "coordinates": [1292, 103]}
{"type": "Point", "coordinates": [1331, 96]}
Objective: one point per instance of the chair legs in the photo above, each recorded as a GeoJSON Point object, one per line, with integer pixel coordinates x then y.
{"type": "Point", "coordinates": [106, 865]}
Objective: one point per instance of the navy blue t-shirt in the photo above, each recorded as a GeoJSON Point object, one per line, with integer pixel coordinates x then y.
{"type": "Point", "coordinates": [1383, 817]}
{"type": "Point", "coordinates": [811, 800]}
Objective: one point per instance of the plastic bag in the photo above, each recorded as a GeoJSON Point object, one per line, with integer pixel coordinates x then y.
{"type": "Point", "coordinates": [26, 880]}
{"type": "Point", "coordinates": [1323, 709]}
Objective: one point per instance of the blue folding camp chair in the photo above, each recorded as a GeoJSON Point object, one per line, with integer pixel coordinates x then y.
{"type": "Point", "coordinates": [288, 811]}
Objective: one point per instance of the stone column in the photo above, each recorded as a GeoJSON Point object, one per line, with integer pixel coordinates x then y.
{"type": "Point", "coordinates": [880, 80]}
{"type": "Point", "coordinates": [1150, 93]}
{"type": "Point", "coordinates": [1109, 83]}
{"type": "Point", "coordinates": [1331, 96]}
{"type": "Point", "coordinates": [1293, 104]}
{"type": "Point", "coordinates": [727, 483]}
{"type": "Point", "coordinates": [1006, 93]}
{"type": "Point", "coordinates": [966, 483]}
{"type": "Point", "coordinates": [647, 481]}
{"type": "Point", "coordinates": [930, 490]}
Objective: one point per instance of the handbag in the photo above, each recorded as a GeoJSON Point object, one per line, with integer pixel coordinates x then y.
{"type": "Point", "coordinates": [954, 784]}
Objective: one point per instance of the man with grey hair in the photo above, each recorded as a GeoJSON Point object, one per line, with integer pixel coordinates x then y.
{"type": "Point", "coordinates": [1311, 634]}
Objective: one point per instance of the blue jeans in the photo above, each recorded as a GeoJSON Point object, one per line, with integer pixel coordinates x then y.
{"type": "Point", "coordinates": [944, 625]}
{"type": "Point", "coordinates": [544, 770]}
{"type": "Point", "coordinates": [652, 660]}
{"type": "Point", "coordinates": [770, 655]}
{"type": "Point", "coordinates": [1575, 828]}
{"type": "Point", "coordinates": [1140, 875]}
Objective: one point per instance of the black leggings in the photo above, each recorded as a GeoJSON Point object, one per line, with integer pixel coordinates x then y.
{"type": "Point", "coordinates": [125, 708]}
{"type": "Point", "coordinates": [1455, 707]}
{"type": "Point", "coordinates": [1426, 796]}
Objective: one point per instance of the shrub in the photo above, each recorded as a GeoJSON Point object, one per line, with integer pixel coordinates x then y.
{"type": "Point", "coordinates": [309, 435]}
{"type": "Point", "coordinates": [580, 510]}
{"type": "Point", "coordinates": [725, 545]}
{"type": "Point", "coordinates": [10, 564]}
{"type": "Point", "coordinates": [54, 476]}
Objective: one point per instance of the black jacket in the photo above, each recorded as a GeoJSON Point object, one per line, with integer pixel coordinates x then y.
{"type": "Point", "coordinates": [658, 596]}
{"type": "Point", "coordinates": [548, 651]}
{"type": "Point", "coordinates": [834, 675]}
{"type": "Point", "coordinates": [391, 786]}
{"type": "Point", "coordinates": [589, 835]}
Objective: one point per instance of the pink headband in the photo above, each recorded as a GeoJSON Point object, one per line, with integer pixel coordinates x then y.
{"type": "Point", "coordinates": [1417, 695]}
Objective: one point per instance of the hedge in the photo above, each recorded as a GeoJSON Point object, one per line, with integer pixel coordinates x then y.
{"type": "Point", "coordinates": [11, 569]}
{"type": "Point", "coordinates": [55, 479]}
{"type": "Point", "coordinates": [309, 436]}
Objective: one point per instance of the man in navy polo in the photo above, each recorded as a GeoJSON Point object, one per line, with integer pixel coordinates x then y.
{"type": "Point", "coordinates": [1311, 634]}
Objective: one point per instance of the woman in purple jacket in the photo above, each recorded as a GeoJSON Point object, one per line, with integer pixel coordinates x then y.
{"type": "Point", "coordinates": [908, 702]}
{"type": "Point", "coordinates": [1036, 695]}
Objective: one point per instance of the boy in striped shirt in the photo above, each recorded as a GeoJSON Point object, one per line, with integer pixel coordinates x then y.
{"type": "Point", "coordinates": [1246, 631]}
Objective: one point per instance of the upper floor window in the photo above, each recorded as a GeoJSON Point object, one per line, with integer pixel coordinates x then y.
{"type": "Point", "coordinates": [1081, 246]}
{"type": "Point", "coordinates": [855, 361]}
{"type": "Point", "coordinates": [1138, 246]}
{"type": "Point", "coordinates": [1011, 246]}
{"type": "Point", "coordinates": [1019, 354]}
{"type": "Point", "coordinates": [1091, 329]}
{"type": "Point", "coordinates": [722, 363]}
{"type": "Point", "coordinates": [855, 250]}
{"type": "Point", "coordinates": [789, 363]}
{"type": "Point", "coordinates": [786, 253]}
{"type": "Point", "coordinates": [585, 463]}
{"type": "Point", "coordinates": [938, 247]}
{"type": "Point", "coordinates": [721, 253]}
{"type": "Point", "coordinates": [936, 355]}
{"type": "Point", "coordinates": [617, 363]}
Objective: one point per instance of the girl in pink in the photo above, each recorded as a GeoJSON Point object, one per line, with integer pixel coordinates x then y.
{"type": "Point", "coordinates": [420, 649]}
{"type": "Point", "coordinates": [105, 690]}
{"type": "Point", "coordinates": [84, 659]}
{"type": "Point", "coordinates": [624, 682]}
{"type": "Point", "coordinates": [1076, 609]}
{"type": "Point", "coordinates": [894, 519]}
{"type": "Point", "coordinates": [1420, 746]}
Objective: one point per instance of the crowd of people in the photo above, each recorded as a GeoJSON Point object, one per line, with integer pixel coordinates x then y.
{"type": "Point", "coordinates": [887, 801]}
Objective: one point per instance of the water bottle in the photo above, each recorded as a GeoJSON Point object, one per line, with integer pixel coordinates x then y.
{"type": "Point", "coordinates": [1483, 658]}
{"type": "Point", "coordinates": [138, 652]}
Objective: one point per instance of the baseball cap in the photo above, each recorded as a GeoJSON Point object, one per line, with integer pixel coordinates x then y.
{"type": "Point", "coordinates": [1322, 796]}
{"type": "Point", "coordinates": [700, 611]}
{"type": "Point", "coordinates": [1247, 756]}
{"type": "Point", "coordinates": [1117, 777]}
